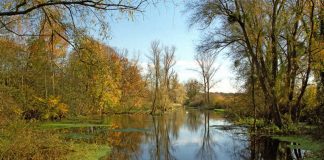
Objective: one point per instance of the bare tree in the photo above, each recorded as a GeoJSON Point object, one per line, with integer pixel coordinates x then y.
{"type": "Point", "coordinates": [155, 59]}
{"type": "Point", "coordinates": [207, 70]}
{"type": "Point", "coordinates": [168, 63]}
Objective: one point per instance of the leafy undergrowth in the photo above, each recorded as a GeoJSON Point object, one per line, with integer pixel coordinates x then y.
{"type": "Point", "coordinates": [306, 143]}
{"type": "Point", "coordinates": [269, 129]}
{"type": "Point", "coordinates": [249, 121]}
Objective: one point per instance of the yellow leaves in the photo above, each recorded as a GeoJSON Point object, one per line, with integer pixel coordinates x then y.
{"type": "Point", "coordinates": [310, 96]}
{"type": "Point", "coordinates": [52, 107]}
{"type": "Point", "coordinates": [105, 76]}
{"type": "Point", "coordinates": [53, 101]}
{"type": "Point", "coordinates": [114, 125]}
{"type": "Point", "coordinates": [17, 110]}
{"type": "Point", "coordinates": [63, 108]}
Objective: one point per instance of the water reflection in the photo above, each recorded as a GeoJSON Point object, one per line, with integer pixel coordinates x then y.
{"type": "Point", "coordinates": [161, 147]}
{"type": "Point", "coordinates": [206, 150]}
{"type": "Point", "coordinates": [183, 134]}
{"type": "Point", "coordinates": [193, 120]}
{"type": "Point", "coordinates": [125, 142]}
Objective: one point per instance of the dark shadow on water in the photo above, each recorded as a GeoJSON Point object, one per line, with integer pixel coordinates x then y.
{"type": "Point", "coordinates": [268, 149]}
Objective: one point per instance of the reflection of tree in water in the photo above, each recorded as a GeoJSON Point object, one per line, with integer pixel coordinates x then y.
{"type": "Point", "coordinates": [234, 141]}
{"type": "Point", "coordinates": [126, 144]}
{"type": "Point", "coordinates": [193, 120]}
{"type": "Point", "coordinates": [175, 121]}
{"type": "Point", "coordinates": [161, 140]}
{"type": "Point", "coordinates": [239, 149]}
{"type": "Point", "coordinates": [207, 151]}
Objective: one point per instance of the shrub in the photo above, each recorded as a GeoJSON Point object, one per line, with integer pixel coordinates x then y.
{"type": "Point", "coordinates": [196, 101]}
{"type": "Point", "coordinates": [50, 108]}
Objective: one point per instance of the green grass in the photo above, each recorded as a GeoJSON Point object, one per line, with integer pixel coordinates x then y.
{"type": "Point", "coordinates": [74, 122]}
{"type": "Point", "coordinates": [78, 136]}
{"type": "Point", "coordinates": [219, 110]}
{"type": "Point", "coordinates": [69, 124]}
{"type": "Point", "coordinates": [305, 142]}
{"type": "Point", "coordinates": [249, 121]}
{"type": "Point", "coordinates": [87, 151]}
{"type": "Point", "coordinates": [81, 150]}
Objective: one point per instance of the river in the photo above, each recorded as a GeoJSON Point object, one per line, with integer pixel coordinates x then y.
{"type": "Point", "coordinates": [184, 134]}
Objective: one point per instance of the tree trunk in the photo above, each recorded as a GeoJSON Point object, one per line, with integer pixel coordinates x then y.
{"type": "Point", "coordinates": [296, 108]}
{"type": "Point", "coordinates": [253, 97]}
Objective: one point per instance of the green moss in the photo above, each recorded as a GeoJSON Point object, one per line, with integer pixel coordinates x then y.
{"type": "Point", "coordinates": [87, 151]}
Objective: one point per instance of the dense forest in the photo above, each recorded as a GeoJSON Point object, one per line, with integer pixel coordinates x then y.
{"type": "Point", "coordinates": [50, 77]}
{"type": "Point", "coordinates": [40, 83]}
{"type": "Point", "coordinates": [53, 69]}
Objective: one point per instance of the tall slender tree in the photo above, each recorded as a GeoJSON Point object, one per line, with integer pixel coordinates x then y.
{"type": "Point", "coordinates": [155, 59]}
{"type": "Point", "coordinates": [207, 70]}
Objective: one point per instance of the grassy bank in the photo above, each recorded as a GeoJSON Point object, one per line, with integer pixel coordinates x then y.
{"type": "Point", "coordinates": [37, 140]}
{"type": "Point", "coordinates": [222, 111]}
{"type": "Point", "coordinates": [300, 136]}
{"type": "Point", "coordinates": [87, 151]}
{"type": "Point", "coordinates": [305, 142]}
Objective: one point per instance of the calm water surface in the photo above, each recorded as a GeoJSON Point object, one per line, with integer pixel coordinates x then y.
{"type": "Point", "coordinates": [185, 134]}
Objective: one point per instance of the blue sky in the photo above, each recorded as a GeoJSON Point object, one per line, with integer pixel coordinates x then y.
{"type": "Point", "coordinates": [167, 23]}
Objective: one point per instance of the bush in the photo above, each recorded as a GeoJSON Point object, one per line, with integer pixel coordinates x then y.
{"type": "Point", "coordinates": [45, 109]}
{"type": "Point", "coordinates": [195, 101]}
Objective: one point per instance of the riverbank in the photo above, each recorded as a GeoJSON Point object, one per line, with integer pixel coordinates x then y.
{"type": "Point", "coordinates": [131, 135]}
{"type": "Point", "coordinates": [65, 138]}
{"type": "Point", "coordinates": [46, 140]}
{"type": "Point", "coordinates": [299, 136]}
